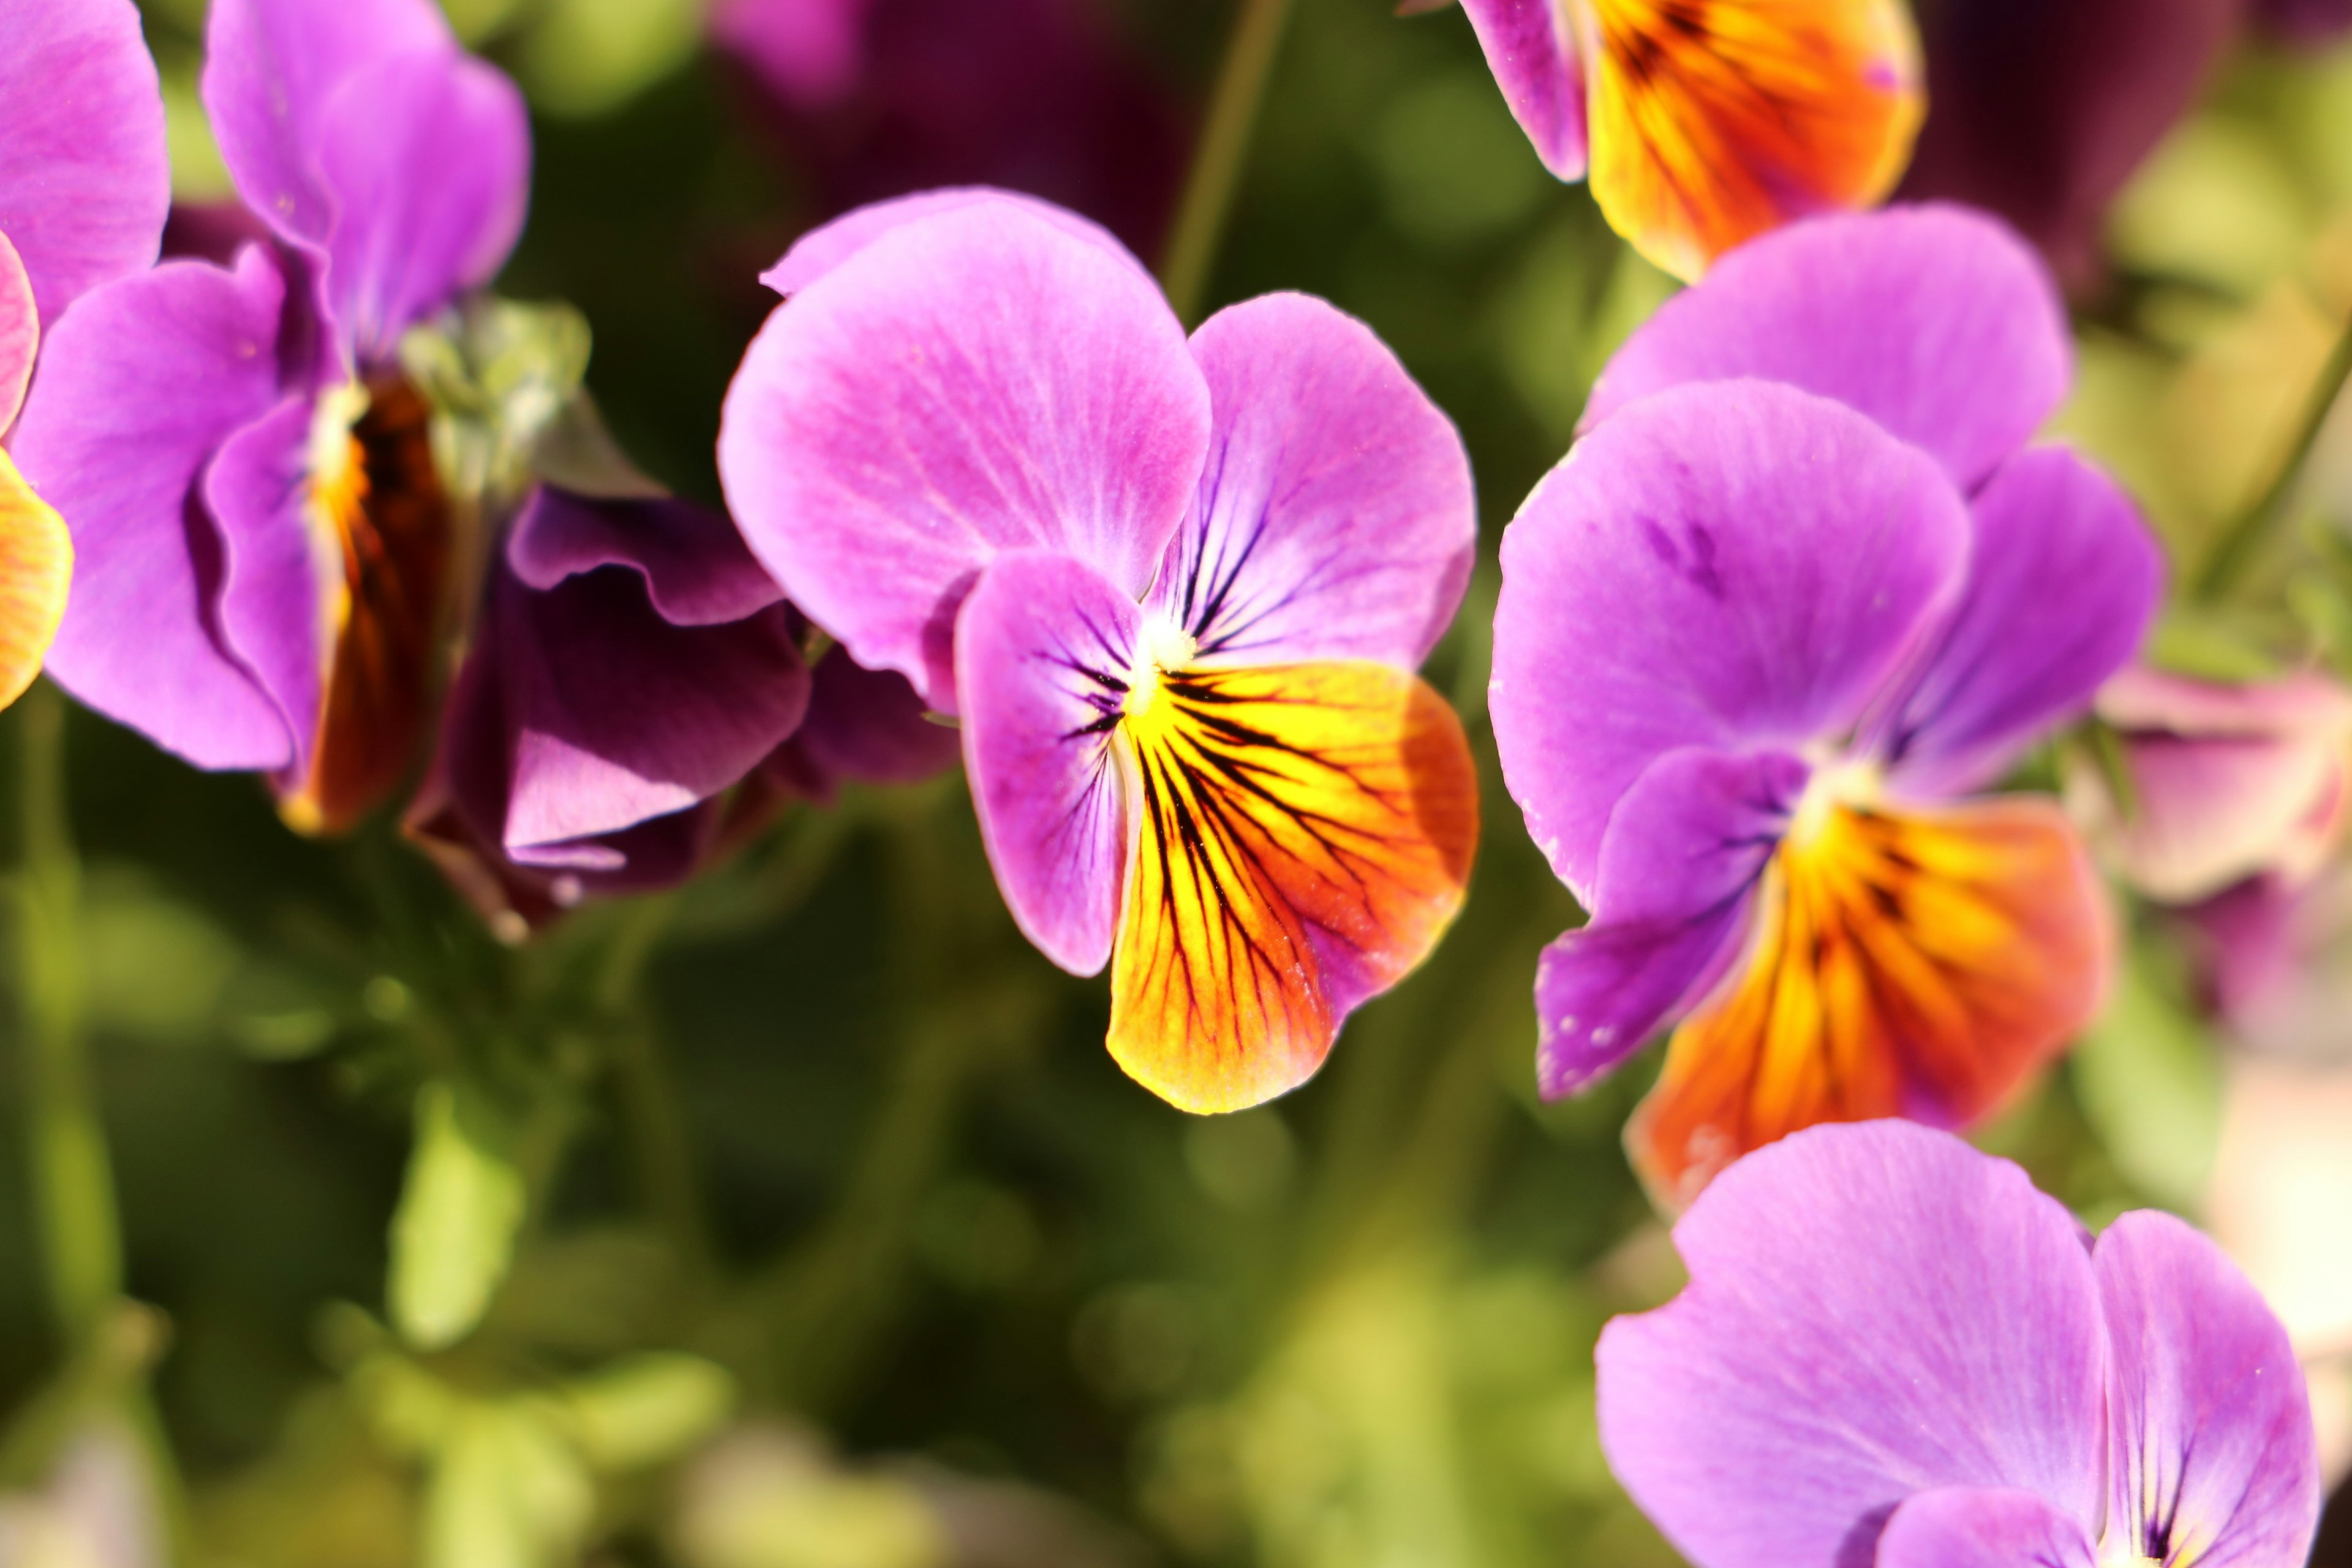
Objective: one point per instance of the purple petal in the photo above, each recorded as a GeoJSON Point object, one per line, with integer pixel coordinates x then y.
{"type": "Point", "coordinates": [1738, 566]}
{"type": "Point", "coordinates": [823, 248]}
{"type": "Point", "coordinates": [2211, 1458]}
{"type": "Point", "coordinates": [1684, 849]}
{"type": "Point", "coordinates": [259, 492]}
{"type": "Point", "coordinates": [1874, 1309]}
{"type": "Point", "coordinates": [2063, 583]}
{"type": "Point", "coordinates": [426, 156]}
{"type": "Point", "coordinates": [1969, 1527]}
{"type": "Point", "coordinates": [137, 387]}
{"type": "Point", "coordinates": [864, 725]}
{"type": "Point", "coordinates": [1335, 518]}
{"type": "Point", "coordinates": [697, 570]}
{"type": "Point", "coordinates": [272, 69]}
{"type": "Point", "coordinates": [1043, 650]}
{"type": "Point", "coordinates": [975, 383]}
{"type": "Point", "coordinates": [617, 716]}
{"type": "Point", "coordinates": [807, 51]}
{"type": "Point", "coordinates": [1532, 52]}
{"type": "Point", "coordinates": [20, 333]}
{"type": "Point", "coordinates": [1934, 321]}
{"type": "Point", "coordinates": [2041, 112]}
{"type": "Point", "coordinates": [84, 178]}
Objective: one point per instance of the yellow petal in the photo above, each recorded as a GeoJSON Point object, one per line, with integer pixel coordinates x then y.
{"type": "Point", "coordinates": [1305, 836]}
{"type": "Point", "coordinates": [1917, 966]}
{"type": "Point", "coordinates": [1716, 121]}
{"type": "Point", "coordinates": [35, 571]}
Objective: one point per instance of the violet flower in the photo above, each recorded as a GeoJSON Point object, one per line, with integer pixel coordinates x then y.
{"type": "Point", "coordinates": [247, 475]}
{"type": "Point", "coordinates": [1175, 592]}
{"type": "Point", "coordinates": [84, 186]}
{"type": "Point", "coordinates": [2309, 23]}
{"type": "Point", "coordinates": [1893, 1349]}
{"type": "Point", "coordinates": [1800, 589]}
{"type": "Point", "coordinates": [1702, 123]}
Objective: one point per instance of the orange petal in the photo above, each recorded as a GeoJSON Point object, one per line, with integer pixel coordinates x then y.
{"type": "Point", "coordinates": [1916, 965]}
{"type": "Point", "coordinates": [1716, 121]}
{"type": "Point", "coordinates": [393, 523]}
{"type": "Point", "coordinates": [1305, 836]}
{"type": "Point", "coordinates": [36, 570]}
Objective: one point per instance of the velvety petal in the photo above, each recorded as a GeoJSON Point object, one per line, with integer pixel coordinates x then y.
{"type": "Point", "coordinates": [20, 333]}
{"type": "Point", "coordinates": [2042, 112]}
{"type": "Point", "coordinates": [1336, 517]}
{"type": "Point", "coordinates": [1044, 651]}
{"type": "Point", "coordinates": [1531, 50]}
{"type": "Point", "coordinates": [1936, 321]}
{"type": "Point", "coordinates": [272, 69]}
{"type": "Point", "coordinates": [617, 716]}
{"type": "Point", "coordinates": [826, 247]}
{"type": "Point", "coordinates": [35, 571]}
{"type": "Point", "coordinates": [865, 726]}
{"type": "Point", "coordinates": [1873, 1311]}
{"type": "Point", "coordinates": [1915, 964]}
{"type": "Point", "coordinates": [1718, 121]}
{"type": "Point", "coordinates": [275, 569]}
{"type": "Point", "coordinates": [1738, 566]}
{"type": "Point", "coordinates": [2226, 781]}
{"type": "Point", "coordinates": [2211, 1458]}
{"type": "Point", "coordinates": [1682, 855]}
{"type": "Point", "coordinates": [1969, 1527]}
{"type": "Point", "coordinates": [976, 382]}
{"type": "Point", "coordinates": [427, 156]}
{"type": "Point", "coordinates": [1305, 838]}
{"type": "Point", "coordinates": [84, 178]}
{"type": "Point", "coordinates": [2062, 584]}
{"type": "Point", "coordinates": [807, 51]}
{"type": "Point", "coordinates": [138, 387]}
{"type": "Point", "coordinates": [697, 569]}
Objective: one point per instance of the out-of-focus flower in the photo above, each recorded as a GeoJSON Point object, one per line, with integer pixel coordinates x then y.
{"type": "Point", "coordinates": [1800, 588]}
{"type": "Point", "coordinates": [2226, 781]}
{"type": "Point", "coordinates": [1176, 593]}
{"type": "Point", "coordinates": [877, 98]}
{"type": "Point", "coordinates": [264, 541]}
{"type": "Point", "coordinates": [97, 1510]}
{"type": "Point", "coordinates": [2305, 22]}
{"type": "Point", "coordinates": [84, 186]}
{"type": "Point", "coordinates": [1894, 1350]}
{"type": "Point", "coordinates": [1704, 123]}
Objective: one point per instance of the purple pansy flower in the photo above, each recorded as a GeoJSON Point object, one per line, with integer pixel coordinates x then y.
{"type": "Point", "coordinates": [248, 476]}
{"type": "Point", "coordinates": [1800, 588]}
{"type": "Point", "coordinates": [1894, 1351]}
{"type": "Point", "coordinates": [1175, 590]}
{"type": "Point", "coordinates": [84, 185]}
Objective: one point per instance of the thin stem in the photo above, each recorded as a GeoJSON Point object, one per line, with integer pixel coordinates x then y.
{"type": "Point", "coordinates": [73, 1184]}
{"type": "Point", "coordinates": [658, 1127]}
{"type": "Point", "coordinates": [1217, 162]}
{"type": "Point", "coordinates": [2239, 542]}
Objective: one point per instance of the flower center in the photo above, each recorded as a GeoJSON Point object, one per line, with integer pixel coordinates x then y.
{"type": "Point", "coordinates": [1835, 781]}
{"type": "Point", "coordinates": [1165, 649]}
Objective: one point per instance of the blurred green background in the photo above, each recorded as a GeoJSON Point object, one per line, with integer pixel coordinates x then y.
{"type": "Point", "coordinates": [817, 1228]}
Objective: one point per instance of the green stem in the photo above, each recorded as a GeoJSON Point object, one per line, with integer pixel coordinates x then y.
{"type": "Point", "coordinates": [1217, 162]}
{"type": "Point", "coordinates": [73, 1184]}
{"type": "Point", "coordinates": [2239, 542]}
{"type": "Point", "coordinates": [658, 1126]}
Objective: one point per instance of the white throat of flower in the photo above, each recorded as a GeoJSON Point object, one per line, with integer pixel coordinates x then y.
{"type": "Point", "coordinates": [1836, 782]}
{"type": "Point", "coordinates": [1164, 647]}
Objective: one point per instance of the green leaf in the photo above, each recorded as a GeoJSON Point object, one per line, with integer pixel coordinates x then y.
{"type": "Point", "coordinates": [2150, 1084]}
{"type": "Point", "coordinates": [645, 1409]}
{"type": "Point", "coordinates": [453, 1235]}
{"type": "Point", "coordinates": [507, 1493]}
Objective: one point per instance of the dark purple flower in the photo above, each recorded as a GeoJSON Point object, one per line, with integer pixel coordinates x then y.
{"type": "Point", "coordinates": [264, 544]}
{"type": "Point", "coordinates": [1800, 589]}
{"type": "Point", "coordinates": [1894, 1351]}
{"type": "Point", "coordinates": [2305, 22]}
{"type": "Point", "coordinates": [877, 98]}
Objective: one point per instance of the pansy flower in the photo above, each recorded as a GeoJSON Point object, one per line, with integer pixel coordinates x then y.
{"type": "Point", "coordinates": [1800, 590]}
{"type": "Point", "coordinates": [84, 186]}
{"type": "Point", "coordinates": [264, 544]}
{"type": "Point", "coordinates": [1174, 590]}
{"type": "Point", "coordinates": [1893, 1349]}
{"type": "Point", "coordinates": [1704, 123]}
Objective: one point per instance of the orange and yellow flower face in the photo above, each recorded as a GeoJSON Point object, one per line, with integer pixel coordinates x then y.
{"type": "Point", "coordinates": [1902, 962]}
